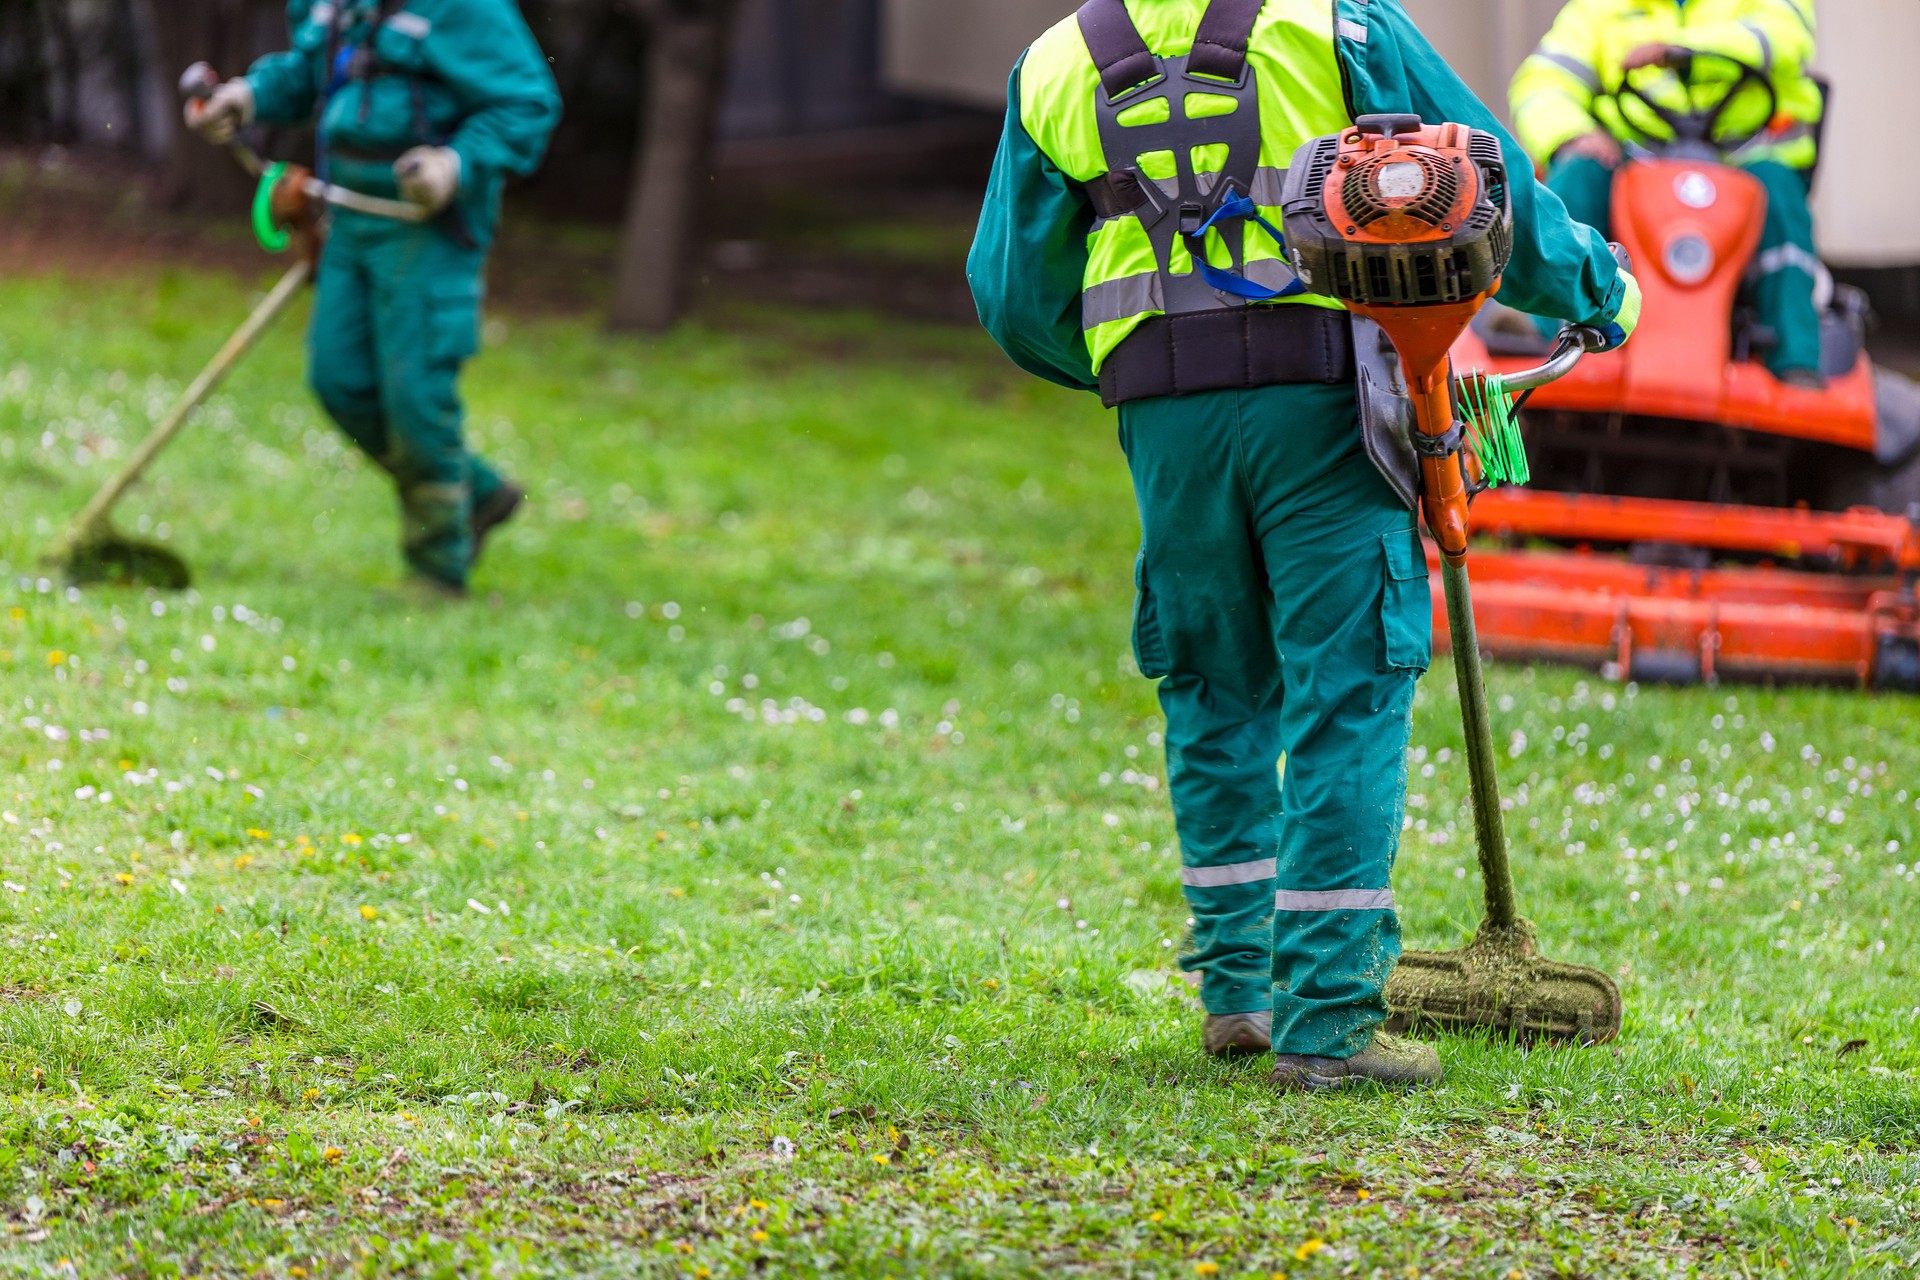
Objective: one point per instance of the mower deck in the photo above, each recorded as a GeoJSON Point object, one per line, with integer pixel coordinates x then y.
{"type": "Point", "coordinates": [1687, 626]}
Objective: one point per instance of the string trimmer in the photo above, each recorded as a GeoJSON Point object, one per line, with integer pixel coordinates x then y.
{"type": "Point", "coordinates": [287, 207]}
{"type": "Point", "coordinates": [1411, 226]}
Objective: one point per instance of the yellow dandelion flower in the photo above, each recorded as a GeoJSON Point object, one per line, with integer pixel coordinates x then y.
{"type": "Point", "coordinates": [1363, 1194]}
{"type": "Point", "coordinates": [1156, 1216]}
{"type": "Point", "coordinates": [55, 657]}
{"type": "Point", "coordinates": [369, 912]}
{"type": "Point", "coordinates": [882, 1158]}
{"type": "Point", "coordinates": [701, 1272]}
{"type": "Point", "coordinates": [332, 1155]}
{"type": "Point", "coordinates": [758, 1204]}
{"type": "Point", "coordinates": [758, 1237]}
{"type": "Point", "coordinates": [17, 613]}
{"type": "Point", "coordinates": [296, 1272]}
{"type": "Point", "coordinates": [258, 834]}
{"type": "Point", "coordinates": [351, 838]}
{"type": "Point", "coordinates": [1206, 1268]}
{"type": "Point", "coordinates": [242, 862]}
{"type": "Point", "coordinates": [1308, 1248]}
{"type": "Point", "coordinates": [124, 877]}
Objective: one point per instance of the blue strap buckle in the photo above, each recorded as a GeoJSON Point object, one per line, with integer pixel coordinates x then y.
{"type": "Point", "coordinates": [1234, 208]}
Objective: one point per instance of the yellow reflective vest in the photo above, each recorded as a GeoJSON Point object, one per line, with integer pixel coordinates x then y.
{"type": "Point", "coordinates": [1302, 96]}
{"type": "Point", "coordinates": [1565, 88]}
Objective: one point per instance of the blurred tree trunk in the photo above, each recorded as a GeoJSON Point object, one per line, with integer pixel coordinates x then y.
{"type": "Point", "coordinates": [687, 42]}
{"type": "Point", "coordinates": [230, 34]}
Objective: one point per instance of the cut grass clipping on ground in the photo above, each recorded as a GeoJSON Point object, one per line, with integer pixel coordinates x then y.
{"type": "Point", "coordinates": [771, 870]}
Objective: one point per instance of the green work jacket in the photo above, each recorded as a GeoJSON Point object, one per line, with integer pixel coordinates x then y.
{"type": "Point", "coordinates": [465, 74]}
{"type": "Point", "coordinates": [1029, 261]}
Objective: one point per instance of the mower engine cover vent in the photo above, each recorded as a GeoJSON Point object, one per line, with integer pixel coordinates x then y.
{"type": "Point", "coordinates": [1396, 213]}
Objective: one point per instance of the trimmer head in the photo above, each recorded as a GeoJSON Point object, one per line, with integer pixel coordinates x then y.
{"type": "Point", "coordinates": [111, 559]}
{"type": "Point", "coordinates": [1500, 982]}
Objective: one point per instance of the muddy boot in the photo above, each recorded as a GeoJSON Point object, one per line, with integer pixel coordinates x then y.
{"type": "Point", "coordinates": [425, 591]}
{"type": "Point", "coordinates": [1389, 1060]}
{"type": "Point", "coordinates": [494, 512]}
{"type": "Point", "coordinates": [1229, 1035]}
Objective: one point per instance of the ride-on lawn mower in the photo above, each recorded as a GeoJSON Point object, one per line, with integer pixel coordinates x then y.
{"type": "Point", "coordinates": [1692, 518]}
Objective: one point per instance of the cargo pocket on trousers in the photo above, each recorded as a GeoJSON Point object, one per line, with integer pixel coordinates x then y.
{"type": "Point", "coordinates": [453, 320]}
{"type": "Point", "coordinates": [1149, 644]}
{"type": "Point", "coordinates": [1406, 606]}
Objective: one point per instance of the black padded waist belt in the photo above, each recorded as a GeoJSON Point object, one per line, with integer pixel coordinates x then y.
{"type": "Point", "coordinates": [1239, 349]}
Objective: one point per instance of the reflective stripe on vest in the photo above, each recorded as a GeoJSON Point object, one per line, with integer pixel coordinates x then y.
{"type": "Point", "coordinates": [1297, 71]}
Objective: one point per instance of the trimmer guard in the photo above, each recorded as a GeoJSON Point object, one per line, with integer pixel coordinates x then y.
{"type": "Point", "coordinates": [1501, 983]}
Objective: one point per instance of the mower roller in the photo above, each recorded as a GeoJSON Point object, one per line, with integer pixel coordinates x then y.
{"type": "Point", "coordinates": [1411, 225]}
{"type": "Point", "coordinates": [1693, 518]}
{"type": "Point", "coordinates": [288, 206]}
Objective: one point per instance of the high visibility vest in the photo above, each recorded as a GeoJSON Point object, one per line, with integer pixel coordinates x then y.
{"type": "Point", "coordinates": [1140, 263]}
{"type": "Point", "coordinates": [1565, 87]}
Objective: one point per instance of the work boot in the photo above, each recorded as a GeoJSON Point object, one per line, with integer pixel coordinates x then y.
{"type": "Point", "coordinates": [1389, 1060]}
{"type": "Point", "coordinates": [494, 512]}
{"type": "Point", "coordinates": [426, 591]}
{"type": "Point", "coordinates": [1229, 1035]}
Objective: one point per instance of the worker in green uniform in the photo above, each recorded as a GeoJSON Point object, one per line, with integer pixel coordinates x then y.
{"type": "Point", "coordinates": [435, 102]}
{"type": "Point", "coordinates": [1282, 589]}
{"type": "Point", "coordinates": [1565, 112]}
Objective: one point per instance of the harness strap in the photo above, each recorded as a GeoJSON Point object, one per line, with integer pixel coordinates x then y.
{"type": "Point", "coordinates": [1118, 51]}
{"type": "Point", "coordinates": [1236, 349]}
{"type": "Point", "coordinates": [1220, 45]}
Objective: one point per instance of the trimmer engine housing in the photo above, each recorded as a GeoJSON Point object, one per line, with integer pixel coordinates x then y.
{"type": "Point", "coordinates": [1396, 213]}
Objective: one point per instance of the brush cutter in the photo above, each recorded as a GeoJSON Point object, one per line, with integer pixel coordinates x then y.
{"type": "Point", "coordinates": [1411, 225]}
{"type": "Point", "coordinates": [288, 204]}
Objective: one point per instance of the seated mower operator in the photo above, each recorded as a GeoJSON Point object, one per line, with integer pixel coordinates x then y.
{"type": "Point", "coordinates": [436, 102]}
{"type": "Point", "coordinates": [1565, 113]}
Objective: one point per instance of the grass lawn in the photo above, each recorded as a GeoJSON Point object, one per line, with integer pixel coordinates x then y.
{"type": "Point", "coordinates": [771, 872]}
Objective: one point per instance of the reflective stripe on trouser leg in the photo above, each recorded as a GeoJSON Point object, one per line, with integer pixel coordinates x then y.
{"type": "Point", "coordinates": [1783, 298]}
{"type": "Point", "coordinates": [1202, 623]}
{"type": "Point", "coordinates": [1353, 621]}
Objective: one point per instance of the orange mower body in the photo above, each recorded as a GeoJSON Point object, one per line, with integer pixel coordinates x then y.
{"type": "Point", "coordinates": [1692, 517]}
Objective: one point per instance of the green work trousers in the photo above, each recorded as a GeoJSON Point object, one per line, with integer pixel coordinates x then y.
{"type": "Point", "coordinates": [1780, 284]}
{"type": "Point", "coordinates": [1284, 606]}
{"type": "Point", "coordinates": [396, 315]}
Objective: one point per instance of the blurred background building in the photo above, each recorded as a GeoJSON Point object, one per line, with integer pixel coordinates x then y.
{"type": "Point", "coordinates": [888, 106]}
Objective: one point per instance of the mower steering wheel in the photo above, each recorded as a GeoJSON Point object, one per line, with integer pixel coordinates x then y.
{"type": "Point", "coordinates": [1701, 127]}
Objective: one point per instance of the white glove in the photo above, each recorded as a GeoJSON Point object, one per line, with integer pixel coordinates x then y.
{"type": "Point", "coordinates": [219, 117]}
{"type": "Point", "coordinates": [429, 176]}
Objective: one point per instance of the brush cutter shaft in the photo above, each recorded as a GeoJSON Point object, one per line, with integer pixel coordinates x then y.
{"type": "Point", "coordinates": [93, 517]}
{"type": "Point", "coordinates": [1489, 827]}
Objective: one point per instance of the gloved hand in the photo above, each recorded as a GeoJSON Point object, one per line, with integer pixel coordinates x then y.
{"type": "Point", "coordinates": [1597, 145]}
{"type": "Point", "coordinates": [219, 117]}
{"type": "Point", "coordinates": [429, 176]}
{"type": "Point", "coordinates": [1614, 334]}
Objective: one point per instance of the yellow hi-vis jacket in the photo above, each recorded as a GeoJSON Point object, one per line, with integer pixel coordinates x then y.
{"type": "Point", "coordinates": [1565, 88]}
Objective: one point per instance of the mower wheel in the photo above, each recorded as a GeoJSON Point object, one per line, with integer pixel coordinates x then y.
{"type": "Point", "coordinates": [1896, 665]}
{"type": "Point", "coordinates": [1858, 480]}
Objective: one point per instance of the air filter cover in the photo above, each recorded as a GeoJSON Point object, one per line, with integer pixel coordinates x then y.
{"type": "Point", "coordinates": [1396, 213]}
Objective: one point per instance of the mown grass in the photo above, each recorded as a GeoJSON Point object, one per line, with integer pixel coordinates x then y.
{"type": "Point", "coordinates": [771, 872]}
